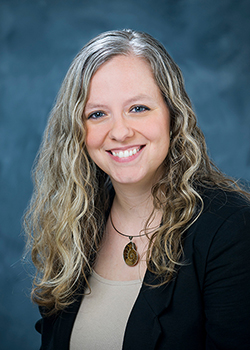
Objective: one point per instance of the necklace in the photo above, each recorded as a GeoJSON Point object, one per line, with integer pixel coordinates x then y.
{"type": "Point", "coordinates": [130, 254]}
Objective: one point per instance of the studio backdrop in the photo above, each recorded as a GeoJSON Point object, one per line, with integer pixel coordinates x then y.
{"type": "Point", "coordinates": [209, 40]}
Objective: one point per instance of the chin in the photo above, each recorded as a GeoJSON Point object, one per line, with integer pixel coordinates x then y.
{"type": "Point", "coordinates": [133, 180]}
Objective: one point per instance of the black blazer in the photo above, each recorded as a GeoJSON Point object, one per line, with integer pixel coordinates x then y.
{"type": "Point", "coordinates": [207, 304]}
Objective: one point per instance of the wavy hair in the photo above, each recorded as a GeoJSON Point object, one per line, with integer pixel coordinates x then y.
{"type": "Point", "coordinates": [66, 216]}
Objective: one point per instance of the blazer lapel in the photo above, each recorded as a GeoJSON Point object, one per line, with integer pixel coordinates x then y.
{"type": "Point", "coordinates": [64, 324]}
{"type": "Point", "coordinates": [143, 328]}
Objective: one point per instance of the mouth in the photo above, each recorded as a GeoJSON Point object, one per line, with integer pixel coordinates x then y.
{"type": "Point", "coordinates": [126, 153]}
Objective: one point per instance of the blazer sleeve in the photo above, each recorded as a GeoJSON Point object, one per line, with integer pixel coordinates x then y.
{"type": "Point", "coordinates": [56, 329]}
{"type": "Point", "coordinates": [44, 326]}
{"type": "Point", "coordinates": [227, 285]}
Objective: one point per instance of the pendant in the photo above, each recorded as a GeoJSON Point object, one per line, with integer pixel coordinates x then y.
{"type": "Point", "coordinates": [130, 254]}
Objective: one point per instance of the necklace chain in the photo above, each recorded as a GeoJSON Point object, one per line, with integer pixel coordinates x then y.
{"type": "Point", "coordinates": [129, 236]}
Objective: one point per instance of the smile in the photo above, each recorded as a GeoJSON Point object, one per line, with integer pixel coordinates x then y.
{"type": "Point", "coordinates": [126, 153]}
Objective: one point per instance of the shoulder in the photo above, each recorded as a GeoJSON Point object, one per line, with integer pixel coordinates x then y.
{"type": "Point", "coordinates": [225, 220]}
{"type": "Point", "coordinates": [221, 233]}
{"type": "Point", "coordinates": [222, 207]}
{"type": "Point", "coordinates": [223, 202]}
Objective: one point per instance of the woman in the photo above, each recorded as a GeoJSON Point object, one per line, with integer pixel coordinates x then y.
{"type": "Point", "coordinates": [139, 241]}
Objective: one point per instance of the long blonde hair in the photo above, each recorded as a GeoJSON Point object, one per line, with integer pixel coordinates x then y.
{"type": "Point", "coordinates": [66, 217]}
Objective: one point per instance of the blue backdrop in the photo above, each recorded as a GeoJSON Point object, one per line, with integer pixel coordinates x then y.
{"type": "Point", "coordinates": [39, 38]}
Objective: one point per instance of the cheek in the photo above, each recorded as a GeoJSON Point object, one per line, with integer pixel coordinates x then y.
{"type": "Point", "coordinates": [93, 138]}
{"type": "Point", "coordinates": [158, 133]}
{"type": "Point", "coordinates": [160, 138]}
{"type": "Point", "coordinates": [96, 135]}
{"type": "Point", "coordinates": [90, 143]}
{"type": "Point", "coordinates": [158, 128]}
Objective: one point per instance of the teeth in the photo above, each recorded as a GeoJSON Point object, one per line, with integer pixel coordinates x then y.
{"type": "Point", "coordinates": [126, 153]}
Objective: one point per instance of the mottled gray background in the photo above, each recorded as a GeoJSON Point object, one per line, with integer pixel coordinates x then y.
{"type": "Point", "coordinates": [208, 39]}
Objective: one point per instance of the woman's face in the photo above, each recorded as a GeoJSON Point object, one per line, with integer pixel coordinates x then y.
{"type": "Point", "coordinates": [127, 121]}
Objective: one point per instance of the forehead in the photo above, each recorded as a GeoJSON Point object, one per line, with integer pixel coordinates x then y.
{"type": "Point", "coordinates": [124, 63]}
{"type": "Point", "coordinates": [127, 75]}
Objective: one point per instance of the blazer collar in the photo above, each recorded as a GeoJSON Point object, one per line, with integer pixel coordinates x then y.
{"type": "Point", "coordinates": [158, 298]}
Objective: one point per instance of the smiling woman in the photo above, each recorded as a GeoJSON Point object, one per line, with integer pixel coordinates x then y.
{"type": "Point", "coordinates": [129, 137]}
{"type": "Point", "coordinates": [139, 241]}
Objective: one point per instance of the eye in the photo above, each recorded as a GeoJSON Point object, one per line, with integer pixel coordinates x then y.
{"type": "Point", "coordinates": [138, 109]}
{"type": "Point", "coordinates": [96, 115]}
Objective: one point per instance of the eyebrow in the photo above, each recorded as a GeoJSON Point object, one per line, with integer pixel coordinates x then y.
{"type": "Point", "coordinates": [139, 97]}
{"type": "Point", "coordinates": [94, 106]}
{"type": "Point", "coordinates": [131, 100]}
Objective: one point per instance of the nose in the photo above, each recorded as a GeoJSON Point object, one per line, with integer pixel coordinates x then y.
{"type": "Point", "coordinates": [120, 129]}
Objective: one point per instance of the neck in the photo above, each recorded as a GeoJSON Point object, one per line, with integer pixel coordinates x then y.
{"type": "Point", "coordinates": [132, 207]}
{"type": "Point", "coordinates": [136, 198]}
{"type": "Point", "coordinates": [133, 201]}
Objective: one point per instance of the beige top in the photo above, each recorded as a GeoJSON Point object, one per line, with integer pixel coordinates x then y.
{"type": "Point", "coordinates": [103, 314]}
